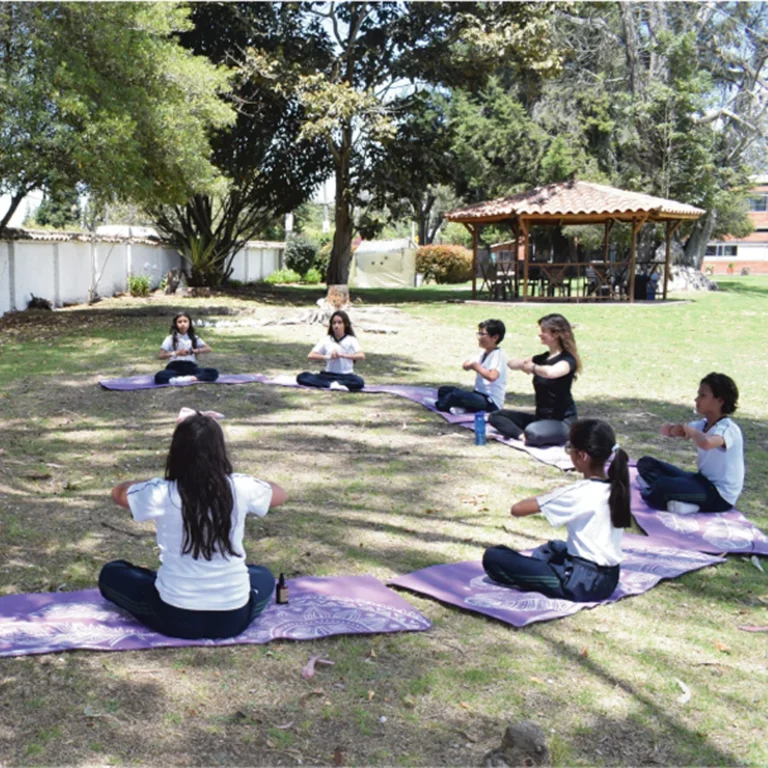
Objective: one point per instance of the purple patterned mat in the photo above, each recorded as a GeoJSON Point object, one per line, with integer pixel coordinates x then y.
{"type": "Point", "coordinates": [147, 381]}
{"type": "Point", "coordinates": [465, 585]}
{"type": "Point", "coordinates": [716, 532]}
{"type": "Point", "coordinates": [49, 622]}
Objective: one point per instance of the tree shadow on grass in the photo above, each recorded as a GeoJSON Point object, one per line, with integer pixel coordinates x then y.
{"type": "Point", "coordinates": [745, 287]}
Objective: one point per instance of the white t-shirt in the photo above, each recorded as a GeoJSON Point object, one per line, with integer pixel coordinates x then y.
{"type": "Point", "coordinates": [583, 509]}
{"type": "Point", "coordinates": [723, 467]}
{"type": "Point", "coordinates": [219, 584]}
{"type": "Point", "coordinates": [496, 390]}
{"type": "Point", "coordinates": [349, 345]}
{"type": "Point", "coordinates": [182, 342]}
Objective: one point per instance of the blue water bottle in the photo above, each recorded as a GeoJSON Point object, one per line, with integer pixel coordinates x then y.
{"type": "Point", "coordinates": [480, 428]}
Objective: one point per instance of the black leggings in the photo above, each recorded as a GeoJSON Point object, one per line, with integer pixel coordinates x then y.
{"type": "Point", "coordinates": [538, 432]}
{"type": "Point", "coordinates": [185, 368]}
{"type": "Point", "coordinates": [552, 571]}
{"type": "Point", "coordinates": [324, 379]}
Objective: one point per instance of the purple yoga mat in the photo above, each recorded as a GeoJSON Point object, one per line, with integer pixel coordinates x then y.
{"type": "Point", "coordinates": [727, 532]}
{"type": "Point", "coordinates": [147, 381]}
{"type": "Point", "coordinates": [49, 622]}
{"type": "Point", "coordinates": [552, 455]}
{"type": "Point", "coordinates": [465, 585]}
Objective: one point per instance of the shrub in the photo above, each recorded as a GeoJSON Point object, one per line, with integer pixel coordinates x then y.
{"type": "Point", "coordinates": [323, 259]}
{"type": "Point", "coordinates": [300, 254]}
{"type": "Point", "coordinates": [444, 263]}
{"type": "Point", "coordinates": [139, 285]}
{"type": "Point", "coordinates": [283, 276]}
{"type": "Point", "coordinates": [313, 276]}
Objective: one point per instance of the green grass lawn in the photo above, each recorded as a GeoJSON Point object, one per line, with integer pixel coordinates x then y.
{"type": "Point", "coordinates": [376, 485]}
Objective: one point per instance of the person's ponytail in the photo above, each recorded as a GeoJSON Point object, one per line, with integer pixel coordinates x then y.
{"type": "Point", "coordinates": [618, 474]}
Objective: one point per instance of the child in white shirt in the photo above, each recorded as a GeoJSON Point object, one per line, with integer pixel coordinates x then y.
{"type": "Point", "coordinates": [181, 347]}
{"type": "Point", "coordinates": [585, 568]}
{"type": "Point", "coordinates": [717, 484]}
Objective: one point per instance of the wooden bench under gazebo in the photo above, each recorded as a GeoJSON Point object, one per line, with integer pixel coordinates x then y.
{"type": "Point", "coordinates": [563, 204]}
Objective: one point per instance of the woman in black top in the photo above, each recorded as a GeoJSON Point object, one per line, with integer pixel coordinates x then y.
{"type": "Point", "coordinates": [553, 373]}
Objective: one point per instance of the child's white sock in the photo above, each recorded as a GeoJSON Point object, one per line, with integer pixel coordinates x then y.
{"type": "Point", "coordinates": [682, 507]}
{"type": "Point", "coordinates": [456, 411]}
{"type": "Point", "coordinates": [337, 385]}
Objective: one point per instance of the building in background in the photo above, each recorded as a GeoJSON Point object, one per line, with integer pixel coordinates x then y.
{"type": "Point", "coordinates": [731, 255]}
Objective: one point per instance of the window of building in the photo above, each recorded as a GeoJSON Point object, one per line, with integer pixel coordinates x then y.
{"type": "Point", "coordinates": [721, 250]}
{"type": "Point", "coordinates": [758, 203]}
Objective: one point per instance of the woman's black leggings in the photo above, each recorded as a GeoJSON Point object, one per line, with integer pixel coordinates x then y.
{"type": "Point", "coordinates": [538, 432]}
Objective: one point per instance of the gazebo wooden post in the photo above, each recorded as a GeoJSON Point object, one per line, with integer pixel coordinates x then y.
{"type": "Point", "coordinates": [475, 231]}
{"type": "Point", "coordinates": [608, 228]}
{"type": "Point", "coordinates": [632, 254]}
{"type": "Point", "coordinates": [671, 227]}
{"type": "Point", "coordinates": [516, 259]}
{"type": "Point", "coordinates": [524, 228]}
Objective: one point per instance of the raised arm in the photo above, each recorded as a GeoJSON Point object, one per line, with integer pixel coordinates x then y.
{"type": "Point", "coordinates": [702, 439]}
{"type": "Point", "coordinates": [556, 371]}
{"type": "Point", "coordinates": [278, 495]}
{"type": "Point", "coordinates": [120, 492]}
{"type": "Point", "coordinates": [529, 506]}
{"type": "Point", "coordinates": [518, 365]}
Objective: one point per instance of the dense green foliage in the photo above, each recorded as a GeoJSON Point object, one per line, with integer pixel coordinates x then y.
{"type": "Point", "coordinates": [266, 168]}
{"type": "Point", "coordinates": [100, 96]}
{"type": "Point", "coordinates": [300, 254]}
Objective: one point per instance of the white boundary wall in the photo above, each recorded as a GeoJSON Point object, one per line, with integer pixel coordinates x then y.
{"type": "Point", "coordinates": [64, 271]}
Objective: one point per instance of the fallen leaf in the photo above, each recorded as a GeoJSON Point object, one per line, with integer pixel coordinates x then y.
{"type": "Point", "coordinates": [371, 694]}
{"type": "Point", "coordinates": [722, 647]}
{"type": "Point", "coordinates": [270, 744]}
{"type": "Point", "coordinates": [308, 671]}
{"type": "Point", "coordinates": [686, 695]}
{"type": "Point", "coordinates": [756, 562]}
{"type": "Point", "coordinates": [584, 652]}
{"type": "Point", "coordinates": [338, 756]}
{"type": "Point", "coordinates": [537, 680]}
{"type": "Point", "coordinates": [372, 654]}
{"type": "Point", "coordinates": [284, 727]}
{"type": "Point", "coordinates": [464, 705]}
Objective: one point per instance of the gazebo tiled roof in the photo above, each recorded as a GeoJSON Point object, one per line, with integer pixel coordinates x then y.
{"type": "Point", "coordinates": [574, 202]}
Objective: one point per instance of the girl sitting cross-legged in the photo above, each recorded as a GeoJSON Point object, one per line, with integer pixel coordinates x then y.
{"type": "Point", "coordinates": [338, 350]}
{"type": "Point", "coordinates": [181, 347]}
{"type": "Point", "coordinates": [584, 568]}
{"type": "Point", "coordinates": [204, 587]}
{"type": "Point", "coordinates": [716, 485]}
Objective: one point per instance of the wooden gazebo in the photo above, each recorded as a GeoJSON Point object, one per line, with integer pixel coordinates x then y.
{"type": "Point", "coordinates": [569, 203]}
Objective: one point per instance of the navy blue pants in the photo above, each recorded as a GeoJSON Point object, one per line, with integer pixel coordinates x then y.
{"type": "Point", "coordinates": [185, 368]}
{"type": "Point", "coordinates": [455, 397]}
{"type": "Point", "coordinates": [133, 589]}
{"type": "Point", "coordinates": [551, 571]}
{"type": "Point", "coordinates": [667, 482]}
{"type": "Point", "coordinates": [538, 432]}
{"type": "Point", "coordinates": [324, 379]}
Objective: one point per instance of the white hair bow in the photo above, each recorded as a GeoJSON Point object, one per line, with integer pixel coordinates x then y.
{"type": "Point", "coordinates": [185, 413]}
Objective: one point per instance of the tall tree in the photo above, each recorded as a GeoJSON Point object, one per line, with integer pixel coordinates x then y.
{"type": "Point", "coordinates": [382, 54]}
{"type": "Point", "coordinates": [266, 168]}
{"type": "Point", "coordinates": [101, 95]}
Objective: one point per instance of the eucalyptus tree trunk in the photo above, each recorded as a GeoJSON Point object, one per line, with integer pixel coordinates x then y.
{"type": "Point", "coordinates": [341, 254]}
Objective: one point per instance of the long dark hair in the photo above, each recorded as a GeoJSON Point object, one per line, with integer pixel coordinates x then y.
{"type": "Point", "coordinates": [190, 332]}
{"type": "Point", "coordinates": [557, 325]}
{"type": "Point", "coordinates": [598, 440]}
{"type": "Point", "coordinates": [198, 462]}
{"type": "Point", "coordinates": [345, 319]}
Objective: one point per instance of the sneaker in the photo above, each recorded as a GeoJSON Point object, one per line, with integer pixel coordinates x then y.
{"type": "Point", "coordinates": [682, 507]}
{"type": "Point", "coordinates": [456, 411]}
{"type": "Point", "coordinates": [336, 385]}
{"type": "Point", "coordinates": [430, 402]}
{"type": "Point", "coordinates": [641, 483]}
{"type": "Point", "coordinates": [182, 379]}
